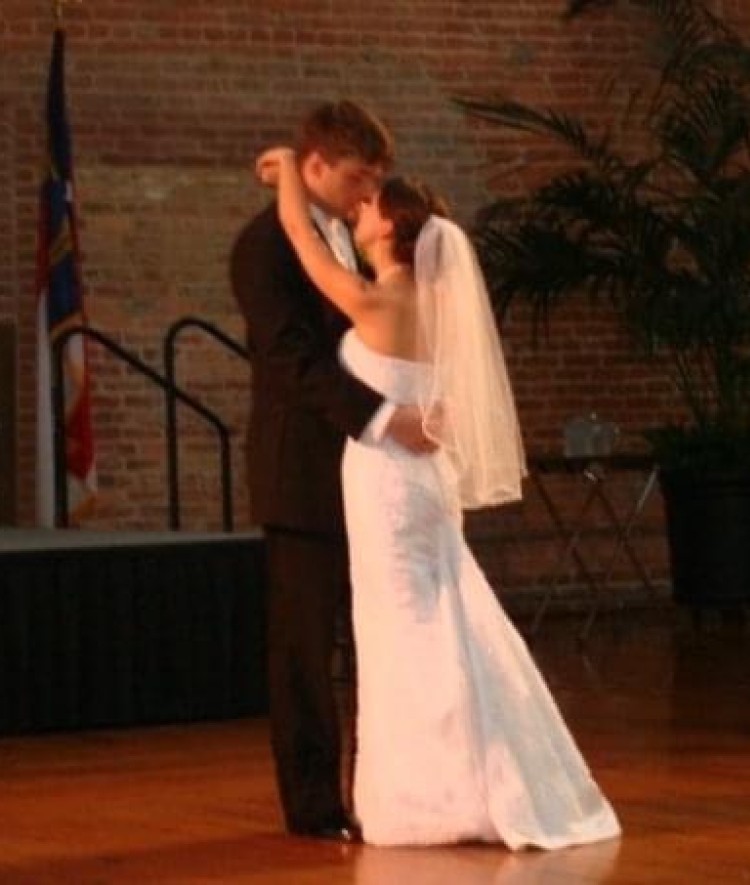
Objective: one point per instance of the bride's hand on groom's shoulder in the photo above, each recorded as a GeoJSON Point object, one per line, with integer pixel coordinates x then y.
{"type": "Point", "coordinates": [268, 164]}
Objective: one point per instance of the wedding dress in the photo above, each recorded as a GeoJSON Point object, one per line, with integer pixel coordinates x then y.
{"type": "Point", "coordinates": [458, 737]}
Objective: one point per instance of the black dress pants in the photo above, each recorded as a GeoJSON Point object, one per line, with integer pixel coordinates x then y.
{"type": "Point", "coordinates": [308, 585]}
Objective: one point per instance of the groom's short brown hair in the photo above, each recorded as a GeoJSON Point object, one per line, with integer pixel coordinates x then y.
{"type": "Point", "coordinates": [345, 129]}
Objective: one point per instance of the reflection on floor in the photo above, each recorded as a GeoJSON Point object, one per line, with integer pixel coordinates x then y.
{"type": "Point", "coordinates": [660, 708]}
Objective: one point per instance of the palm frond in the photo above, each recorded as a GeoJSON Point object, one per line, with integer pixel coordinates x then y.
{"type": "Point", "coordinates": [687, 21]}
{"type": "Point", "coordinates": [560, 126]}
{"type": "Point", "coordinates": [577, 7]}
{"type": "Point", "coordinates": [702, 130]}
{"type": "Point", "coordinates": [541, 263]}
{"type": "Point", "coordinates": [715, 230]}
{"type": "Point", "coordinates": [595, 201]}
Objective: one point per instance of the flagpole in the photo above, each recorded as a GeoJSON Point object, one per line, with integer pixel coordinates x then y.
{"type": "Point", "coordinates": [58, 10]}
{"type": "Point", "coordinates": [59, 293]}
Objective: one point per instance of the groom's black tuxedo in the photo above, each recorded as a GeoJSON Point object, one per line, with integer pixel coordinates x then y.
{"type": "Point", "coordinates": [303, 406]}
{"type": "Point", "coordinates": [303, 402]}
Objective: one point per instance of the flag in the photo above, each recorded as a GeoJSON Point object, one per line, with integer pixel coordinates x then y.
{"type": "Point", "coordinates": [60, 306]}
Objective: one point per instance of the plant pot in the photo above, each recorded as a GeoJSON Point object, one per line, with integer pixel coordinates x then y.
{"type": "Point", "coordinates": [708, 528]}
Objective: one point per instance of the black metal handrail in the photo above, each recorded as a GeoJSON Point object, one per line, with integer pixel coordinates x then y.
{"type": "Point", "coordinates": [172, 392]}
{"type": "Point", "coordinates": [169, 358]}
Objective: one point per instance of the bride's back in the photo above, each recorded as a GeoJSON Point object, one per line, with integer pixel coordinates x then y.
{"type": "Point", "coordinates": [391, 327]}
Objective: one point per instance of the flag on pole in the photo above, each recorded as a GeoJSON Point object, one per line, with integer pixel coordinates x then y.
{"type": "Point", "coordinates": [60, 306]}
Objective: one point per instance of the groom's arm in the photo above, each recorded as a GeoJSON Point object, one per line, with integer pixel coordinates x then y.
{"type": "Point", "coordinates": [264, 279]}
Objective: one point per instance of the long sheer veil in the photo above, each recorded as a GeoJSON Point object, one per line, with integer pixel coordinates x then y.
{"type": "Point", "coordinates": [468, 406]}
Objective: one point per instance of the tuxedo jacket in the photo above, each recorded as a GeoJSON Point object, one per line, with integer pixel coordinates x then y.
{"type": "Point", "coordinates": [304, 403]}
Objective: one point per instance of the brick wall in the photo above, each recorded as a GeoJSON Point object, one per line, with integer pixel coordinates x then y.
{"type": "Point", "coordinates": [170, 100]}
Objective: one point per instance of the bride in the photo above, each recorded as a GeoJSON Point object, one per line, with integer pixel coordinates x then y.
{"type": "Point", "coordinates": [458, 737]}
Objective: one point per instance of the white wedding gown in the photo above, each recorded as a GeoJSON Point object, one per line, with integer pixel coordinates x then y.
{"type": "Point", "coordinates": [458, 737]}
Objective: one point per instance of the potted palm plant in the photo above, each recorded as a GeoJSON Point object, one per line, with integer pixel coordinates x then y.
{"type": "Point", "coordinates": [665, 237]}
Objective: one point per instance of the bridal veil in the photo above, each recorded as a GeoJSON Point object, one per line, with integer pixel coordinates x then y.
{"type": "Point", "coordinates": [468, 407]}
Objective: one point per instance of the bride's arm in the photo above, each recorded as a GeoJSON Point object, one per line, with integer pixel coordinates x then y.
{"type": "Point", "coordinates": [350, 292]}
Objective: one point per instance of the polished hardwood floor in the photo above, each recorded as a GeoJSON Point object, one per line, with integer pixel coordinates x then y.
{"type": "Point", "coordinates": [661, 709]}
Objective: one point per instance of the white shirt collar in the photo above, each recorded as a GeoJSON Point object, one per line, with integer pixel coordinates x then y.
{"type": "Point", "coordinates": [322, 218]}
{"type": "Point", "coordinates": [335, 231]}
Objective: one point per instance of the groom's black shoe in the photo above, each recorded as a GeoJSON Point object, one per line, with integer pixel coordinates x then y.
{"type": "Point", "coordinates": [339, 829]}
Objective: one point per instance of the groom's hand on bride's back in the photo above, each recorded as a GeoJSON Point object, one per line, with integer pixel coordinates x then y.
{"type": "Point", "coordinates": [405, 427]}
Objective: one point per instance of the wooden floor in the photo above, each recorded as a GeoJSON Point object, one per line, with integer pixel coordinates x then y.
{"type": "Point", "coordinates": [662, 712]}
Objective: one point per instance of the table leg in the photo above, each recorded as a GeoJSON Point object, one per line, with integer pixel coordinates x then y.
{"type": "Point", "coordinates": [570, 539]}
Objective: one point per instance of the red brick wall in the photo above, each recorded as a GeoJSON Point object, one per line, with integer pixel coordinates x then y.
{"type": "Point", "coordinates": [170, 100]}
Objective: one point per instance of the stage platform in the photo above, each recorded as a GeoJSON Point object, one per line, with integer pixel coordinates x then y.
{"type": "Point", "coordinates": [123, 628]}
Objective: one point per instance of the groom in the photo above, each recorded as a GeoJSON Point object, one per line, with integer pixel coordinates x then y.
{"type": "Point", "coordinates": [303, 406]}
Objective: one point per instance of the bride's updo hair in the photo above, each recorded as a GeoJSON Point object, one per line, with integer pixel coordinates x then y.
{"type": "Point", "coordinates": [408, 203]}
